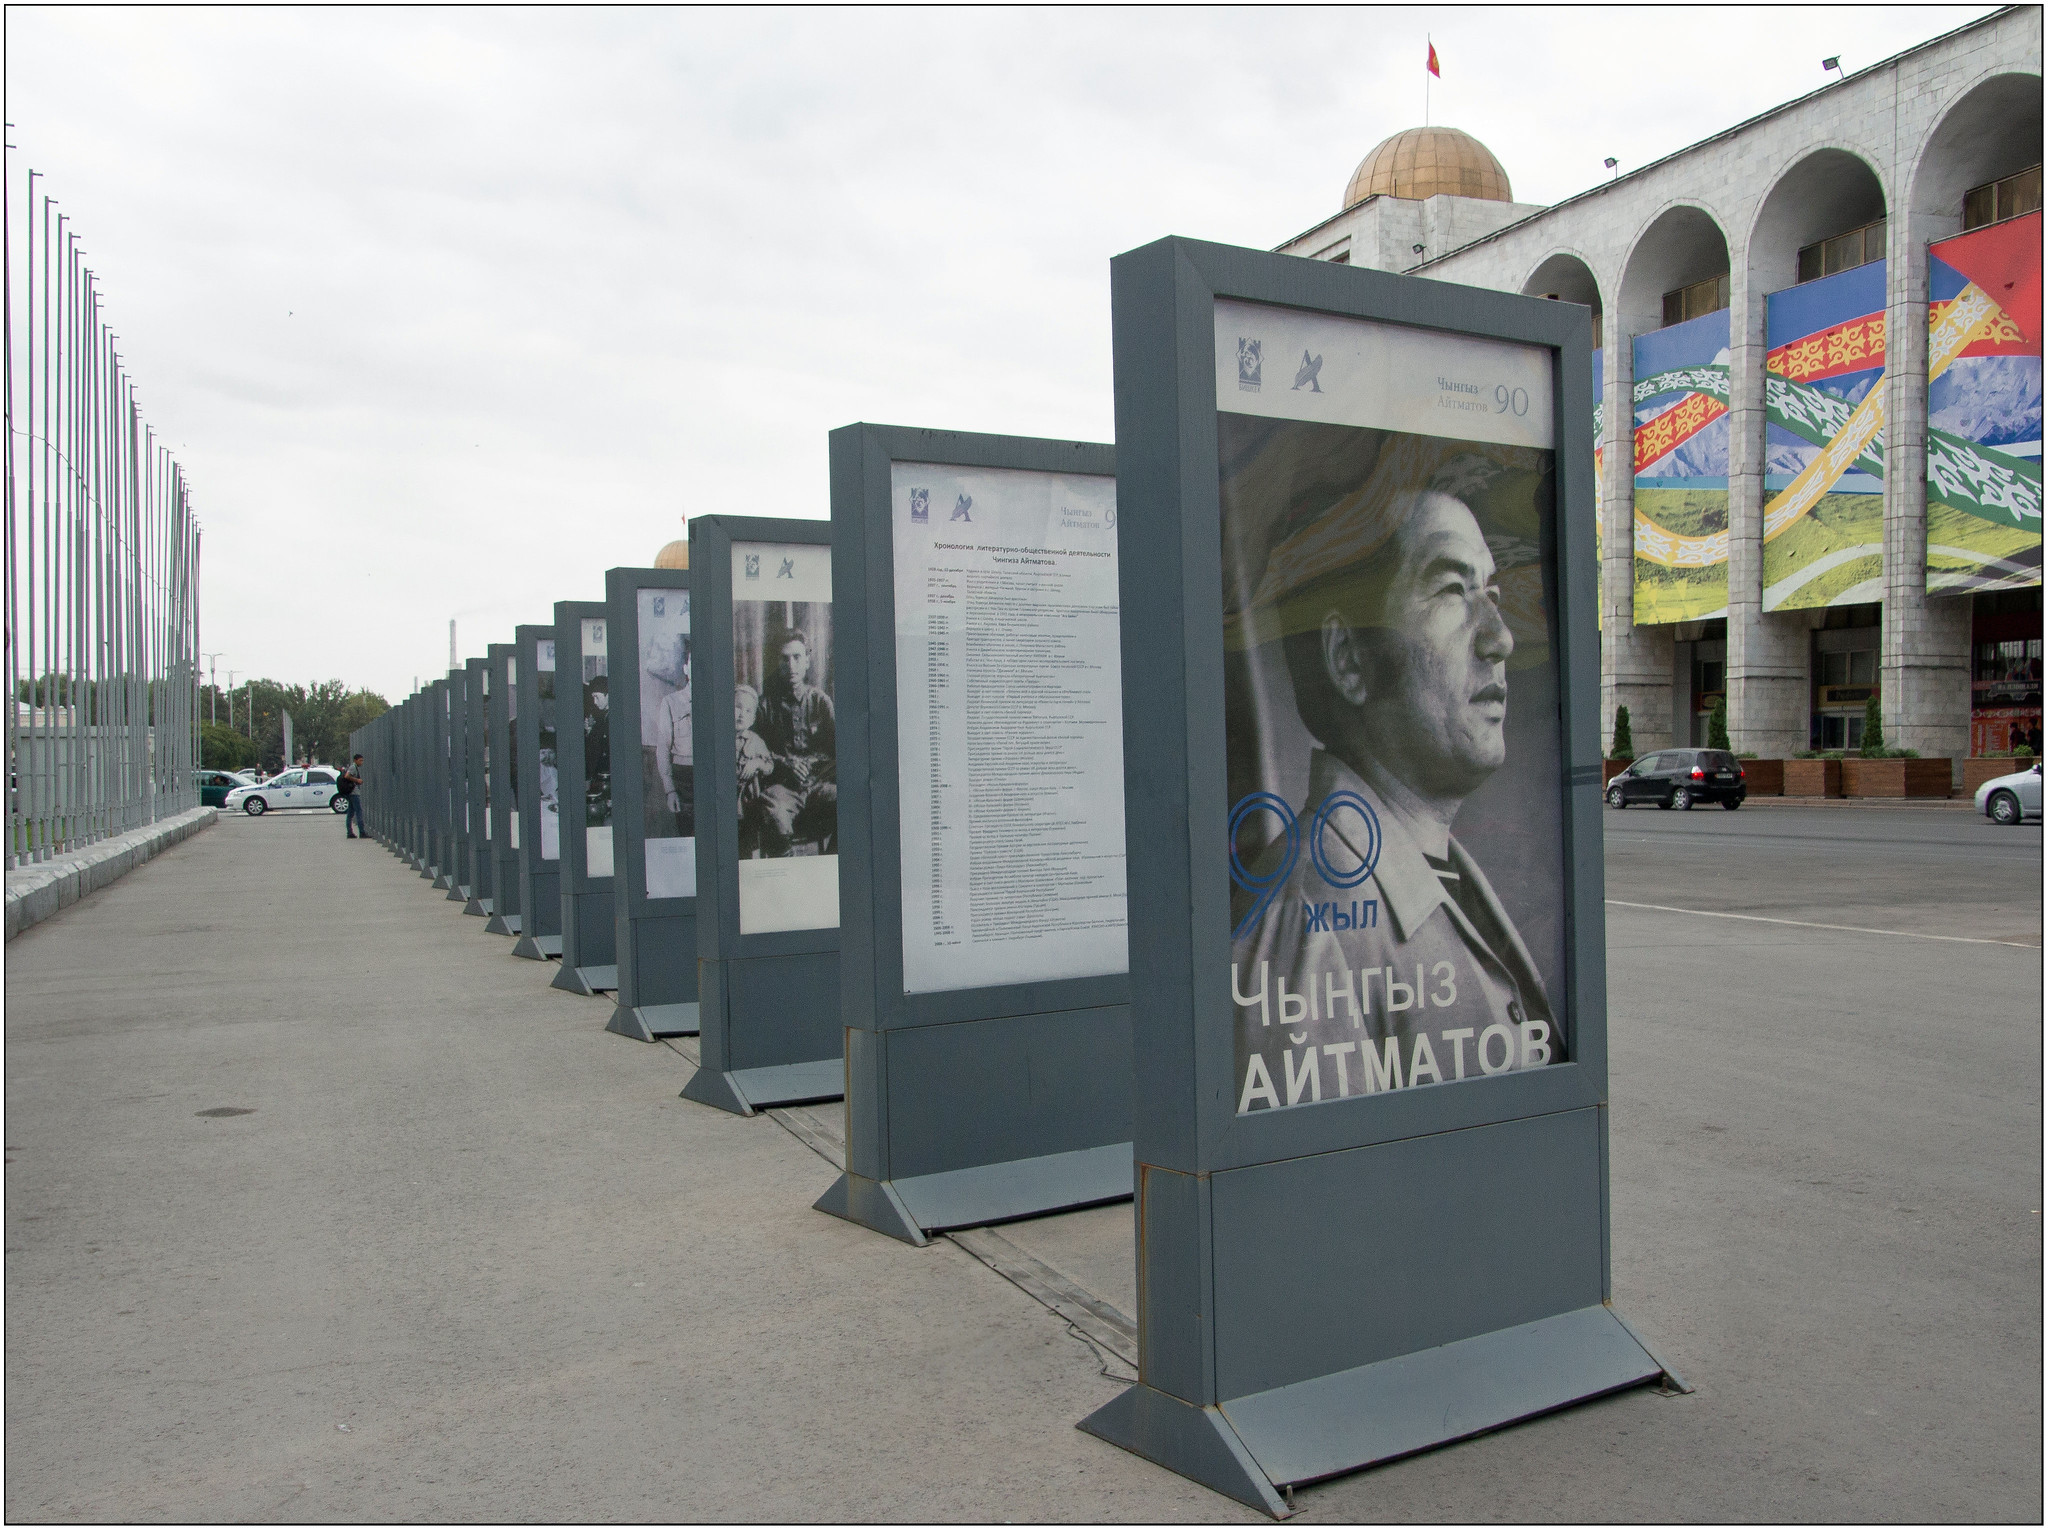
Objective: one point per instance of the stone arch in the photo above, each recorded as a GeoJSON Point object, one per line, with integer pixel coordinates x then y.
{"type": "Point", "coordinates": [1568, 276]}
{"type": "Point", "coordinates": [1991, 129]}
{"type": "Point", "coordinates": [1828, 190]}
{"type": "Point", "coordinates": [1681, 244]}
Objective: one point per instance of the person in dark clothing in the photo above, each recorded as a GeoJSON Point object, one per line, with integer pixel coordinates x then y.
{"type": "Point", "coordinates": [351, 787]}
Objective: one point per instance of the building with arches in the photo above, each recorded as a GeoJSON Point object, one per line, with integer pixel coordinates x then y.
{"type": "Point", "coordinates": [1818, 370]}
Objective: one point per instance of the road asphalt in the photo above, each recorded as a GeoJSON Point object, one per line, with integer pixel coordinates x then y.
{"type": "Point", "coordinates": [461, 1254]}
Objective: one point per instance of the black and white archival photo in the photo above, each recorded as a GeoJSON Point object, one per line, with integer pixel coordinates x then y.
{"type": "Point", "coordinates": [545, 769]}
{"type": "Point", "coordinates": [668, 773]}
{"type": "Point", "coordinates": [1392, 705]}
{"type": "Point", "coordinates": [787, 737]}
{"type": "Point", "coordinates": [597, 752]}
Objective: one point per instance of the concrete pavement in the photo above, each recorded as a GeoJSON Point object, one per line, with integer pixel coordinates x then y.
{"type": "Point", "coordinates": [467, 1256]}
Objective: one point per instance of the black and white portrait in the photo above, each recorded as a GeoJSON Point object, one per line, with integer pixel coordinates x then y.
{"type": "Point", "coordinates": [1394, 738]}
{"type": "Point", "coordinates": [668, 774]}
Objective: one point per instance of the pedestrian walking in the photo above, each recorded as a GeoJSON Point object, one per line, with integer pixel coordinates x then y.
{"type": "Point", "coordinates": [351, 787]}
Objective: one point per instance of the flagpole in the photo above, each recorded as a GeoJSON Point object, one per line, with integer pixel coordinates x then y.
{"type": "Point", "coordinates": [1430, 43]}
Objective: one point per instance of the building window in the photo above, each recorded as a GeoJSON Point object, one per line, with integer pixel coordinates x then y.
{"type": "Point", "coordinates": [1858, 247]}
{"type": "Point", "coordinates": [2013, 197]}
{"type": "Point", "coordinates": [1341, 258]}
{"type": "Point", "coordinates": [1709, 296]}
{"type": "Point", "coordinates": [1855, 668]}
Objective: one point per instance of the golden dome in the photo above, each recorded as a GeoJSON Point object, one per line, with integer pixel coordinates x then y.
{"type": "Point", "coordinates": [675, 555]}
{"type": "Point", "coordinates": [1426, 162]}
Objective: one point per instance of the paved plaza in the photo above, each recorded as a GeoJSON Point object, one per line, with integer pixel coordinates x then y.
{"type": "Point", "coordinates": [463, 1255]}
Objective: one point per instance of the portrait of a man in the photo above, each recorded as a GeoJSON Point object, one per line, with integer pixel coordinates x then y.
{"type": "Point", "coordinates": [798, 802]}
{"type": "Point", "coordinates": [1371, 949]}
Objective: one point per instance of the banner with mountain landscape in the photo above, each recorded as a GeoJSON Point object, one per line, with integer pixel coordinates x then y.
{"type": "Point", "coordinates": [1680, 403]}
{"type": "Point", "coordinates": [1984, 409]}
{"type": "Point", "coordinates": [1824, 441]}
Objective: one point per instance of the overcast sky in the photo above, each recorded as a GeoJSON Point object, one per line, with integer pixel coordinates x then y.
{"type": "Point", "coordinates": [447, 312]}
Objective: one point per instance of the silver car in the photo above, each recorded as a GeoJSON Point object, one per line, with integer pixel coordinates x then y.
{"type": "Point", "coordinates": [2010, 799]}
{"type": "Point", "coordinates": [312, 787]}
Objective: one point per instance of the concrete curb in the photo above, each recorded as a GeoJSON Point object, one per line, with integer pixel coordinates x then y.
{"type": "Point", "coordinates": [34, 893]}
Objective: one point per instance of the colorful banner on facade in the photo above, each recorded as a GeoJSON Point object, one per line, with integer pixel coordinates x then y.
{"type": "Point", "coordinates": [1984, 409]}
{"type": "Point", "coordinates": [1824, 441]}
{"type": "Point", "coordinates": [1681, 471]}
{"type": "Point", "coordinates": [1599, 489]}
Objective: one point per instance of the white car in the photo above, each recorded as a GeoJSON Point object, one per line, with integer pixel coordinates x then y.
{"type": "Point", "coordinates": [312, 787]}
{"type": "Point", "coordinates": [2009, 799]}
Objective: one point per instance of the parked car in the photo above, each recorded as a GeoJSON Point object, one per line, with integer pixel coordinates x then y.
{"type": "Point", "coordinates": [214, 785]}
{"type": "Point", "coordinates": [309, 787]}
{"type": "Point", "coordinates": [2012, 799]}
{"type": "Point", "coordinates": [1678, 778]}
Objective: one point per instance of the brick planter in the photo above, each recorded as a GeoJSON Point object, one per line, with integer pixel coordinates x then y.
{"type": "Point", "coordinates": [1813, 778]}
{"type": "Point", "coordinates": [1896, 778]}
{"type": "Point", "coordinates": [1764, 778]}
{"type": "Point", "coordinates": [1609, 769]}
{"type": "Point", "coordinates": [1977, 772]}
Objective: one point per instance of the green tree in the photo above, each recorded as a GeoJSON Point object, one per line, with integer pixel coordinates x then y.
{"type": "Point", "coordinates": [1624, 740]}
{"type": "Point", "coordinates": [1873, 729]}
{"type": "Point", "coordinates": [224, 748]}
{"type": "Point", "coordinates": [1717, 724]}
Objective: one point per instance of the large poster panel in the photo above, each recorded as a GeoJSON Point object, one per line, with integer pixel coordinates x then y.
{"type": "Point", "coordinates": [1391, 705]}
{"type": "Point", "coordinates": [1680, 403]}
{"type": "Point", "coordinates": [787, 737]}
{"type": "Point", "coordinates": [1009, 716]}
{"type": "Point", "coordinates": [668, 775]}
{"type": "Point", "coordinates": [550, 780]}
{"type": "Point", "coordinates": [512, 746]}
{"type": "Point", "coordinates": [597, 752]}
{"type": "Point", "coordinates": [1984, 409]}
{"type": "Point", "coordinates": [1824, 441]}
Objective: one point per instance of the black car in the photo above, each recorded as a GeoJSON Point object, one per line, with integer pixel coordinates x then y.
{"type": "Point", "coordinates": [1679, 778]}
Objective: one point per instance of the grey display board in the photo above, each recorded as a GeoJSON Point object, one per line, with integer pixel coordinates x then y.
{"type": "Point", "coordinates": [583, 762]}
{"type": "Point", "coordinates": [440, 840]}
{"type": "Point", "coordinates": [983, 967]}
{"type": "Point", "coordinates": [654, 802]}
{"type": "Point", "coordinates": [503, 659]}
{"type": "Point", "coordinates": [477, 794]}
{"type": "Point", "coordinates": [459, 825]}
{"type": "Point", "coordinates": [1361, 689]}
{"type": "Point", "coordinates": [538, 792]}
{"type": "Point", "coordinates": [768, 836]}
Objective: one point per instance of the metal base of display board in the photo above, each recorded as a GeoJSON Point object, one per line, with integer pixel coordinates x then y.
{"type": "Point", "coordinates": [480, 907]}
{"type": "Point", "coordinates": [539, 948]}
{"type": "Point", "coordinates": [588, 981]}
{"type": "Point", "coordinates": [650, 1022]}
{"type": "Point", "coordinates": [1250, 1446]}
{"type": "Point", "coordinates": [502, 924]}
{"type": "Point", "coordinates": [998, 1192]}
{"type": "Point", "coordinates": [747, 1090]}
{"type": "Point", "coordinates": [458, 892]}
{"type": "Point", "coordinates": [429, 872]}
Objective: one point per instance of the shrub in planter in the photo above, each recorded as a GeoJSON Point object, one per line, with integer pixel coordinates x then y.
{"type": "Point", "coordinates": [1624, 740]}
{"type": "Point", "coordinates": [1717, 724]}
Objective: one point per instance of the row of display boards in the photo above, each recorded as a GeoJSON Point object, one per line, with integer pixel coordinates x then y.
{"type": "Point", "coordinates": [1214, 819]}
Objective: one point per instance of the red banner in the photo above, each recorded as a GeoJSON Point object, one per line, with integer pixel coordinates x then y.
{"type": "Point", "coordinates": [1676, 426]}
{"type": "Point", "coordinates": [1856, 345]}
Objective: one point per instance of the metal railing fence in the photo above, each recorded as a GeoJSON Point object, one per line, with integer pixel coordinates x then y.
{"type": "Point", "coordinates": [102, 659]}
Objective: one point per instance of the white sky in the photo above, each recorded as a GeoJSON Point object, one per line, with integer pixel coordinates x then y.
{"type": "Point", "coordinates": [447, 312]}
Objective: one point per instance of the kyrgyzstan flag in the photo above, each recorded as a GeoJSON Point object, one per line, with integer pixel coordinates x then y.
{"type": "Point", "coordinates": [1432, 62]}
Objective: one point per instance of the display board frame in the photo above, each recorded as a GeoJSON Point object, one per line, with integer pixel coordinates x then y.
{"type": "Point", "coordinates": [503, 663]}
{"type": "Point", "coordinates": [476, 679]}
{"type": "Point", "coordinates": [540, 878]}
{"type": "Point", "coordinates": [589, 960]}
{"type": "Point", "coordinates": [1492, 1308]}
{"type": "Point", "coordinates": [440, 839]}
{"type": "Point", "coordinates": [655, 938]}
{"type": "Point", "coordinates": [768, 1002]}
{"type": "Point", "coordinates": [458, 786]}
{"type": "Point", "coordinates": [970, 1105]}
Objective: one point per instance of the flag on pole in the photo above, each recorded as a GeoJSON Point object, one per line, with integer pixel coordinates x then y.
{"type": "Point", "coordinates": [1432, 62]}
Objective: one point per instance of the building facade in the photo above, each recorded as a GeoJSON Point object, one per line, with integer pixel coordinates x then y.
{"type": "Point", "coordinates": [1818, 361]}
